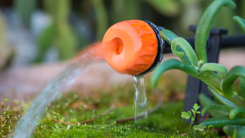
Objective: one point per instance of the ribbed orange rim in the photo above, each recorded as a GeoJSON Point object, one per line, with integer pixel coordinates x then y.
{"type": "Point", "coordinates": [136, 48]}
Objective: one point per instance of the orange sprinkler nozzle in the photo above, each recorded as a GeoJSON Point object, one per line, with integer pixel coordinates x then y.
{"type": "Point", "coordinates": [138, 47]}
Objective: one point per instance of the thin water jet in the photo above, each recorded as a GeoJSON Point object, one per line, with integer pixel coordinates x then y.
{"type": "Point", "coordinates": [140, 102]}
{"type": "Point", "coordinates": [96, 52]}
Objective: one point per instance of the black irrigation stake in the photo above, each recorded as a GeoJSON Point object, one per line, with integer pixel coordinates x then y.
{"type": "Point", "coordinates": [215, 42]}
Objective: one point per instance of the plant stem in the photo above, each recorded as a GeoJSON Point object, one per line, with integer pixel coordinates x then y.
{"type": "Point", "coordinates": [190, 127]}
{"type": "Point", "coordinates": [192, 122]}
{"type": "Point", "coordinates": [237, 101]}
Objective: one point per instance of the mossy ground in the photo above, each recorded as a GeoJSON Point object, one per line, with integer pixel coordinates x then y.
{"type": "Point", "coordinates": [75, 107]}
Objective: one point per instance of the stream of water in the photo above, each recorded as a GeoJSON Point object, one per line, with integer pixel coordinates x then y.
{"type": "Point", "coordinates": [140, 102]}
{"type": "Point", "coordinates": [78, 65]}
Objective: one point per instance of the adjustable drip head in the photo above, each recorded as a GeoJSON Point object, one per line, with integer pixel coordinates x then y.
{"type": "Point", "coordinates": [139, 48]}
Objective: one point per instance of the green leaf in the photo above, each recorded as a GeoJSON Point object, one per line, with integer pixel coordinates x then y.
{"type": "Point", "coordinates": [205, 26]}
{"type": "Point", "coordinates": [25, 9]}
{"type": "Point", "coordinates": [44, 41]}
{"type": "Point", "coordinates": [206, 101]}
{"type": "Point", "coordinates": [222, 99]}
{"type": "Point", "coordinates": [230, 129]}
{"type": "Point", "coordinates": [235, 111]}
{"type": "Point", "coordinates": [223, 108]}
{"type": "Point", "coordinates": [171, 64]}
{"type": "Point", "coordinates": [67, 41]}
{"type": "Point", "coordinates": [234, 101]}
{"type": "Point", "coordinates": [58, 10]}
{"type": "Point", "coordinates": [102, 18]}
{"type": "Point", "coordinates": [196, 107]}
{"type": "Point", "coordinates": [242, 84]}
{"type": "Point", "coordinates": [221, 121]}
{"type": "Point", "coordinates": [189, 112]}
{"type": "Point", "coordinates": [235, 72]}
{"type": "Point", "coordinates": [193, 110]}
{"type": "Point", "coordinates": [198, 112]}
{"type": "Point", "coordinates": [127, 9]}
{"type": "Point", "coordinates": [240, 21]}
{"type": "Point", "coordinates": [214, 67]}
{"type": "Point", "coordinates": [200, 63]}
{"type": "Point", "coordinates": [199, 127]}
{"type": "Point", "coordinates": [165, 7]}
{"type": "Point", "coordinates": [181, 48]}
{"type": "Point", "coordinates": [167, 35]}
{"type": "Point", "coordinates": [185, 115]}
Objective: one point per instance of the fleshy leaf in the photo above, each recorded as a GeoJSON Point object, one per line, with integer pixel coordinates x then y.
{"type": "Point", "coordinates": [67, 41]}
{"type": "Point", "coordinates": [230, 129]}
{"type": "Point", "coordinates": [167, 35]}
{"type": "Point", "coordinates": [172, 64]}
{"type": "Point", "coordinates": [102, 18]}
{"type": "Point", "coordinates": [222, 99]}
{"type": "Point", "coordinates": [240, 21]}
{"type": "Point", "coordinates": [25, 9]}
{"type": "Point", "coordinates": [235, 111]}
{"type": "Point", "coordinates": [165, 7]}
{"type": "Point", "coordinates": [200, 63]}
{"type": "Point", "coordinates": [206, 101]}
{"type": "Point", "coordinates": [214, 67]}
{"type": "Point", "coordinates": [242, 84]}
{"type": "Point", "coordinates": [45, 40]}
{"type": "Point", "coordinates": [205, 26]}
{"type": "Point", "coordinates": [223, 108]}
{"type": "Point", "coordinates": [181, 48]}
{"type": "Point", "coordinates": [185, 115]}
{"type": "Point", "coordinates": [221, 121]}
{"type": "Point", "coordinates": [235, 72]}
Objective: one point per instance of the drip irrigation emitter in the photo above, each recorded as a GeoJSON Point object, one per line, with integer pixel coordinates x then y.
{"type": "Point", "coordinates": [140, 49]}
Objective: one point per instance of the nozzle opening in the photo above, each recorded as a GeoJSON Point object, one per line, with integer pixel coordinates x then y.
{"type": "Point", "coordinates": [119, 45]}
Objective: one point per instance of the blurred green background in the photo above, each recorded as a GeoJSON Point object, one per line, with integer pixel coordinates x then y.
{"type": "Point", "coordinates": [30, 29]}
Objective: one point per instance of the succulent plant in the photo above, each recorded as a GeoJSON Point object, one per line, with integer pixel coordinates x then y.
{"type": "Point", "coordinates": [231, 115]}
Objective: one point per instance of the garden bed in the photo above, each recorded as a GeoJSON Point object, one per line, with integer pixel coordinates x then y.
{"type": "Point", "coordinates": [65, 117]}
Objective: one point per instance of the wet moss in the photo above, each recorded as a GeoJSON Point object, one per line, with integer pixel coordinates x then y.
{"type": "Point", "coordinates": [75, 107]}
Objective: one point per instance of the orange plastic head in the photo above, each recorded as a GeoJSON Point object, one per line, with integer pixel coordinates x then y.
{"type": "Point", "coordinates": [136, 46]}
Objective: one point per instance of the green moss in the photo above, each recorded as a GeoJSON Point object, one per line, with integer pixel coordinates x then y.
{"type": "Point", "coordinates": [75, 107]}
{"type": "Point", "coordinates": [165, 122]}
